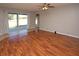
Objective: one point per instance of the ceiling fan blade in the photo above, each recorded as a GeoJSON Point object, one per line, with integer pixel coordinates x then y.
{"type": "Point", "coordinates": [44, 4]}
{"type": "Point", "coordinates": [48, 4]}
{"type": "Point", "coordinates": [51, 6]}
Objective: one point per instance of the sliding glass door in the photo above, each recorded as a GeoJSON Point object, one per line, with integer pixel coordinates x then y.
{"type": "Point", "coordinates": [22, 21]}
{"type": "Point", "coordinates": [17, 22]}
{"type": "Point", "coordinates": [12, 20]}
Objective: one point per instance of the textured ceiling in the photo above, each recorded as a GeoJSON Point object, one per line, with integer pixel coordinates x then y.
{"type": "Point", "coordinates": [27, 6]}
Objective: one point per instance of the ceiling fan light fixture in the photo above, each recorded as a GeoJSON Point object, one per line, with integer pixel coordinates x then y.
{"type": "Point", "coordinates": [45, 8]}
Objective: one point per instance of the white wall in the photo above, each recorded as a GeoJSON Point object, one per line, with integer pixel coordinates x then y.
{"type": "Point", "coordinates": [32, 20]}
{"type": "Point", "coordinates": [64, 20]}
{"type": "Point", "coordinates": [3, 22]}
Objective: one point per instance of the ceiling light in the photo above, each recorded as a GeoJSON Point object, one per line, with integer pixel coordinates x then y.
{"type": "Point", "coordinates": [45, 8]}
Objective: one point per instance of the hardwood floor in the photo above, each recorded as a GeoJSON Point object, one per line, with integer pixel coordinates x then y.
{"type": "Point", "coordinates": [40, 43]}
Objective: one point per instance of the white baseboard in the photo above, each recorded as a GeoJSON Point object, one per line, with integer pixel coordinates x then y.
{"type": "Point", "coordinates": [68, 35]}
{"type": "Point", "coordinates": [60, 33]}
{"type": "Point", "coordinates": [46, 30]}
{"type": "Point", "coordinates": [4, 36]}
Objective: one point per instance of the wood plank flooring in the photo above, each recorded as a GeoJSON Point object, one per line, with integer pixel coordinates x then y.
{"type": "Point", "coordinates": [40, 43]}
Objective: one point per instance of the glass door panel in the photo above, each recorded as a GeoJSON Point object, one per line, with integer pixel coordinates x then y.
{"type": "Point", "coordinates": [12, 20]}
{"type": "Point", "coordinates": [22, 21]}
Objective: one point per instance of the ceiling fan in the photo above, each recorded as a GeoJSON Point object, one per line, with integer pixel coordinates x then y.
{"type": "Point", "coordinates": [46, 6]}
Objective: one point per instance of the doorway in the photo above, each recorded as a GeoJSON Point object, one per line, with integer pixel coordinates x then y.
{"type": "Point", "coordinates": [18, 23]}
{"type": "Point", "coordinates": [37, 22]}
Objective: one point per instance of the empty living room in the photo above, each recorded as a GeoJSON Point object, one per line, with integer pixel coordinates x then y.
{"type": "Point", "coordinates": [39, 29]}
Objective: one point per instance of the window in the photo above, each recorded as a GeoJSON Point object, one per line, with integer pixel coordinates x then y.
{"type": "Point", "coordinates": [36, 20]}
